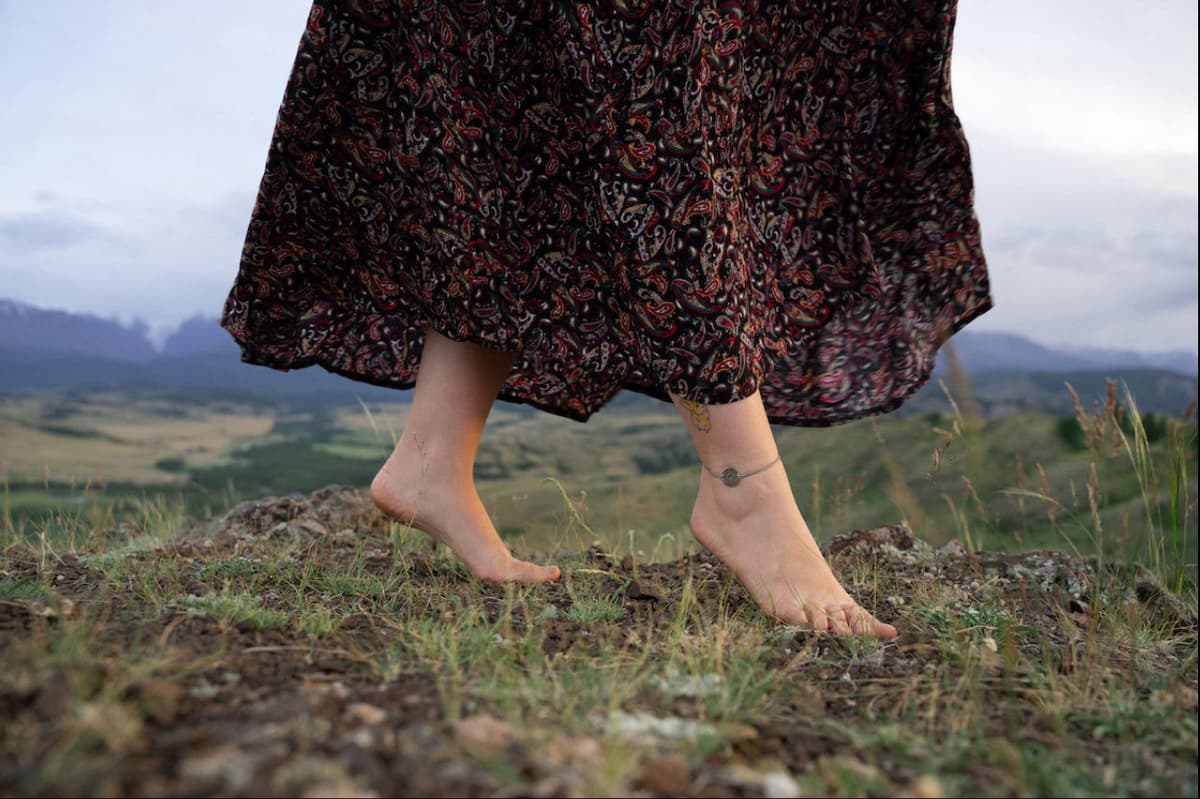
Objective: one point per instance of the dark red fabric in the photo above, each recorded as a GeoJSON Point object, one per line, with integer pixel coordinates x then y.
{"type": "Point", "coordinates": [706, 198]}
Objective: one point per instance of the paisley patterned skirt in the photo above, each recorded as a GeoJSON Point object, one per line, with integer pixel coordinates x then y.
{"type": "Point", "coordinates": [703, 197]}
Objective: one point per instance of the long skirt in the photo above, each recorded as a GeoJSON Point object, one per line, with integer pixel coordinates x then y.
{"type": "Point", "coordinates": [705, 198]}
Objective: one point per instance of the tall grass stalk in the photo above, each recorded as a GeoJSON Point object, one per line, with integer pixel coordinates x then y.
{"type": "Point", "coordinates": [1165, 535]}
{"type": "Point", "coordinates": [371, 421]}
{"type": "Point", "coordinates": [576, 516]}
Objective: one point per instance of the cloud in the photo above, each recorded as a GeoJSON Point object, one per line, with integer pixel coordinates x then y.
{"type": "Point", "coordinates": [1086, 249]}
{"type": "Point", "coordinates": [161, 262]}
{"type": "Point", "coordinates": [127, 189]}
{"type": "Point", "coordinates": [40, 230]}
{"type": "Point", "coordinates": [1062, 287]}
{"type": "Point", "coordinates": [1095, 76]}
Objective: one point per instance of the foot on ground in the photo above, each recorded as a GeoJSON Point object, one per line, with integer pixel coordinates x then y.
{"type": "Point", "coordinates": [756, 528]}
{"type": "Point", "coordinates": [414, 492]}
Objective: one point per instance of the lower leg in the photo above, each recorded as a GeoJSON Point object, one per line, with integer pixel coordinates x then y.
{"type": "Point", "coordinates": [753, 524]}
{"type": "Point", "coordinates": [428, 480]}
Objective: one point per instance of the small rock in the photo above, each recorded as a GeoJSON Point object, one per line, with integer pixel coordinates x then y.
{"type": "Point", "coordinates": [577, 752]}
{"type": "Point", "coordinates": [627, 563]}
{"type": "Point", "coordinates": [483, 736]}
{"type": "Point", "coordinates": [673, 683]}
{"type": "Point", "coordinates": [365, 738]}
{"type": "Point", "coordinates": [952, 548]}
{"type": "Point", "coordinates": [897, 535]}
{"type": "Point", "coordinates": [338, 790]}
{"type": "Point", "coordinates": [115, 723]}
{"type": "Point", "coordinates": [1169, 605]}
{"type": "Point", "coordinates": [227, 765]}
{"type": "Point", "coordinates": [322, 684]}
{"type": "Point", "coordinates": [644, 589]}
{"type": "Point", "coordinates": [203, 690]}
{"type": "Point", "coordinates": [668, 775]}
{"type": "Point", "coordinates": [159, 699]}
{"type": "Point", "coordinates": [926, 787]}
{"type": "Point", "coordinates": [364, 713]}
{"type": "Point", "coordinates": [315, 527]}
{"type": "Point", "coordinates": [811, 701]}
{"type": "Point", "coordinates": [548, 613]}
{"type": "Point", "coordinates": [778, 785]}
{"type": "Point", "coordinates": [651, 727]}
{"type": "Point", "coordinates": [311, 775]}
{"type": "Point", "coordinates": [739, 775]}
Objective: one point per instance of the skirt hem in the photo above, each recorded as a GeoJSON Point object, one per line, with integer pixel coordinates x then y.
{"type": "Point", "coordinates": [252, 355]}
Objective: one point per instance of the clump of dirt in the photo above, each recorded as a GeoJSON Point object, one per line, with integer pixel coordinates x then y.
{"type": "Point", "coordinates": [332, 509]}
{"type": "Point", "coordinates": [283, 650]}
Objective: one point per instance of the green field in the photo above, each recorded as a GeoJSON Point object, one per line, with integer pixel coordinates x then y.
{"type": "Point", "coordinates": [627, 478]}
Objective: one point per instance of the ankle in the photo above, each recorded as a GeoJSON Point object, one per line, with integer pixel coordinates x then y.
{"type": "Point", "coordinates": [751, 493]}
{"type": "Point", "coordinates": [429, 461]}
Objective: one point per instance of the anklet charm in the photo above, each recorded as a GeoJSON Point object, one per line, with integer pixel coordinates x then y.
{"type": "Point", "coordinates": [732, 476]}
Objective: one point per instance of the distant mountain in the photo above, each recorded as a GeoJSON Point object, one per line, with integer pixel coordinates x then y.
{"type": "Point", "coordinates": [196, 335]}
{"type": "Point", "coordinates": [208, 375]}
{"type": "Point", "coordinates": [1174, 360]}
{"type": "Point", "coordinates": [993, 352]}
{"type": "Point", "coordinates": [24, 328]}
{"type": "Point", "coordinates": [1002, 392]}
{"type": "Point", "coordinates": [990, 352]}
{"type": "Point", "coordinates": [43, 350]}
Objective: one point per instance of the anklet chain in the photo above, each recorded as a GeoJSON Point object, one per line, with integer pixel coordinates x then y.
{"type": "Point", "coordinates": [732, 476]}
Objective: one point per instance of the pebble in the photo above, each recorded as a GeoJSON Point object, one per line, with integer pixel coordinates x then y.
{"type": "Point", "coordinates": [668, 775]}
{"type": "Point", "coordinates": [367, 714]}
{"type": "Point", "coordinates": [644, 589]}
{"type": "Point", "coordinates": [778, 785]}
{"type": "Point", "coordinates": [483, 736]}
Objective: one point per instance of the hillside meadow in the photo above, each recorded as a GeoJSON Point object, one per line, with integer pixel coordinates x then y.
{"type": "Point", "coordinates": [1041, 571]}
{"type": "Point", "coordinates": [1020, 480]}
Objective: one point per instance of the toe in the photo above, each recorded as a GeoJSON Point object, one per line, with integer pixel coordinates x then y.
{"type": "Point", "coordinates": [884, 630]}
{"type": "Point", "coordinates": [838, 622]}
{"type": "Point", "coordinates": [820, 621]}
{"type": "Point", "coordinates": [859, 621]}
{"type": "Point", "coordinates": [527, 572]}
{"type": "Point", "coordinates": [863, 623]}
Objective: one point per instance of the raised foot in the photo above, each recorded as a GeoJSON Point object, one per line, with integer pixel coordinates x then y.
{"type": "Point", "coordinates": [756, 528]}
{"type": "Point", "coordinates": [451, 512]}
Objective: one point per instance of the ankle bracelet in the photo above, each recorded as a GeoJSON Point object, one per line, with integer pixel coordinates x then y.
{"type": "Point", "coordinates": [732, 476]}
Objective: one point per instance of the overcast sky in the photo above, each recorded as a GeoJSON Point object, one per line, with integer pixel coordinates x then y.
{"type": "Point", "coordinates": [133, 134]}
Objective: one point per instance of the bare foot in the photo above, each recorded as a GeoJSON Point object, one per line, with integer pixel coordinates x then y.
{"type": "Point", "coordinates": [756, 528]}
{"type": "Point", "coordinates": [412, 490]}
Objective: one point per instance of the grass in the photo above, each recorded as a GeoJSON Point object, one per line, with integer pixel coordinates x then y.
{"type": "Point", "coordinates": [227, 608]}
{"type": "Point", "coordinates": [994, 690]}
{"type": "Point", "coordinates": [136, 643]}
{"type": "Point", "coordinates": [590, 611]}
